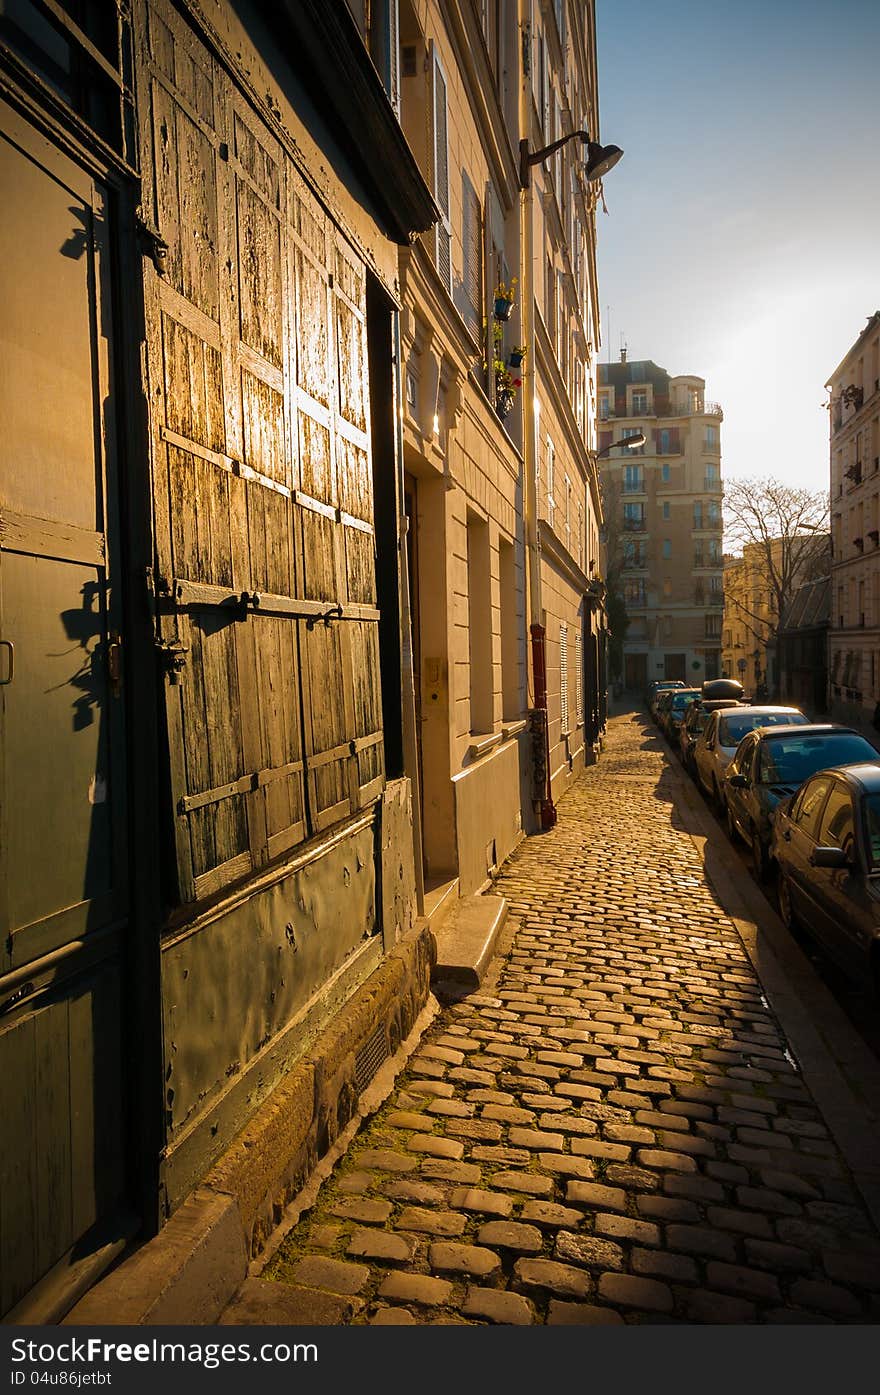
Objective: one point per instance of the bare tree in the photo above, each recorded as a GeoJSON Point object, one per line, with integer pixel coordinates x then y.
{"type": "Point", "coordinates": [786, 532]}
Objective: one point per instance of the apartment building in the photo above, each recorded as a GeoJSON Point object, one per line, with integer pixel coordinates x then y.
{"type": "Point", "coordinates": [750, 620]}
{"type": "Point", "coordinates": [854, 634]}
{"type": "Point", "coordinates": [663, 500]}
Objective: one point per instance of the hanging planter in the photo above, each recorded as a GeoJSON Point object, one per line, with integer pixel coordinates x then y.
{"type": "Point", "coordinates": [505, 297]}
{"type": "Point", "coordinates": [516, 356]}
{"type": "Point", "coordinates": [505, 402]}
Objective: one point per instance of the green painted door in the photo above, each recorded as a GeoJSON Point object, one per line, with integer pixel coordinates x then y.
{"type": "Point", "coordinates": [63, 852]}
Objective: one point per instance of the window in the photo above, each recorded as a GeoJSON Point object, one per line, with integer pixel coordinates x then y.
{"type": "Point", "coordinates": [665, 473]}
{"type": "Point", "coordinates": [808, 805]}
{"type": "Point", "coordinates": [711, 441]}
{"type": "Point", "coordinates": [698, 513]}
{"type": "Point", "coordinates": [634, 592]}
{"type": "Point", "coordinates": [604, 409]}
{"type": "Point", "coordinates": [551, 463]}
{"type": "Point", "coordinates": [667, 587]}
{"type": "Point", "coordinates": [625, 435]}
{"type": "Point", "coordinates": [837, 829]}
{"type": "Point", "coordinates": [639, 403]}
{"type": "Point", "coordinates": [563, 679]}
{"type": "Point", "coordinates": [713, 627]}
{"type": "Point", "coordinates": [633, 479]}
{"type": "Point", "coordinates": [667, 549]}
{"type": "Point", "coordinates": [440, 153]}
{"type": "Point", "coordinates": [666, 510]}
{"type": "Point", "coordinates": [634, 518]}
{"type": "Point", "coordinates": [510, 642]}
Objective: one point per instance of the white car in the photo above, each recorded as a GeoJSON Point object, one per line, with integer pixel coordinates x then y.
{"type": "Point", "coordinates": [722, 734]}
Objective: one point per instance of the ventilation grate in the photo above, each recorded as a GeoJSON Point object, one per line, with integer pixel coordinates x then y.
{"type": "Point", "coordinates": [371, 1056]}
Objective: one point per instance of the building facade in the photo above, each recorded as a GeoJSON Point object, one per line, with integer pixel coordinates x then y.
{"type": "Point", "coordinates": [663, 501]}
{"type": "Point", "coordinates": [750, 621]}
{"type": "Point", "coordinates": [277, 568]}
{"type": "Point", "coordinates": [206, 727]}
{"type": "Point", "coordinates": [854, 635]}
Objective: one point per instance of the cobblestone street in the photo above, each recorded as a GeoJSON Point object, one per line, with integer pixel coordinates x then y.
{"type": "Point", "coordinates": [615, 1130]}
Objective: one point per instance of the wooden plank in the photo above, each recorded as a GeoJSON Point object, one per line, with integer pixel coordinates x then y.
{"type": "Point", "coordinates": [20, 532]}
{"type": "Point", "coordinates": [18, 1204]}
{"type": "Point", "coordinates": [81, 1045]}
{"type": "Point", "coordinates": [223, 875]}
{"type": "Point", "coordinates": [52, 1104]}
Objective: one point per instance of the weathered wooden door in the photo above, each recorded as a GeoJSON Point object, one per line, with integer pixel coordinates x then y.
{"type": "Point", "coordinates": [64, 898]}
{"type": "Point", "coordinates": [262, 480]}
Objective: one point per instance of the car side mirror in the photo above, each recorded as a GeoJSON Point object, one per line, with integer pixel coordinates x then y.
{"type": "Point", "coordinates": [738, 781]}
{"type": "Point", "coordinates": [829, 857]}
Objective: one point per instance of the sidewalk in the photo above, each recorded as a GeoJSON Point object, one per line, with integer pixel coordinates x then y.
{"type": "Point", "coordinates": [615, 1130]}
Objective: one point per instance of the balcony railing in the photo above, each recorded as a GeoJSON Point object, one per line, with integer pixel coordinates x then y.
{"type": "Point", "coordinates": [634, 486]}
{"type": "Point", "coordinates": [667, 409]}
{"type": "Point", "coordinates": [713, 484]}
{"type": "Point", "coordinates": [635, 525]}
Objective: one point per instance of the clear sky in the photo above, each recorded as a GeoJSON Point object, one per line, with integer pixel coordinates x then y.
{"type": "Point", "coordinates": [743, 242]}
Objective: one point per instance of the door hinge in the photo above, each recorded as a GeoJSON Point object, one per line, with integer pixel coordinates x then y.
{"type": "Point", "coordinates": [153, 244]}
{"type": "Point", "coordinates": [114, 662]}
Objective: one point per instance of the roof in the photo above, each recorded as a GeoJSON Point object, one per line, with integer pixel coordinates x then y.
{"type": "Point", "coordinates": [762, 707]}
{"type": "Point", "coordinates": [809, 607]}
{"type": "Point", "coordinates": [865, 773]}
{"type": "Point", "coordinates": [873, 320]}
{"type": "Point", "coordinates": [810, 729]}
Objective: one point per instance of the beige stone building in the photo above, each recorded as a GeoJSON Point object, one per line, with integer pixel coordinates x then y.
{"type": "Point", "coordinates": [666, 497]}
{"type": "Point", "coordinates": [468, 91]}
{"type": "Point", "coordinates": [750, 619]}
{"type": "Point", "coordinates": [854, 634]}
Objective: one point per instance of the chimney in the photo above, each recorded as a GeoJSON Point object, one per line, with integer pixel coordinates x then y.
{"type": "Point", "coordinates": [623, 355]}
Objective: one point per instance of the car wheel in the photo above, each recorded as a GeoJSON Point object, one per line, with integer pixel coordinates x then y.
{"type": "Point", "coordinates": [786, 909]}
{"type": "Point", "coordinates": [760, 863]}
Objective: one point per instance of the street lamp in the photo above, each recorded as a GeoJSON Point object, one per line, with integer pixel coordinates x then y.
{"type": "Point", "coordinates": [600, 158]}
{"type": "Point", "coordinates": [627, 443]}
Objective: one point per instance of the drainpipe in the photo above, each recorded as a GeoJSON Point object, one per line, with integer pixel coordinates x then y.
{"type": "Point", "coordinates": [545, 811]}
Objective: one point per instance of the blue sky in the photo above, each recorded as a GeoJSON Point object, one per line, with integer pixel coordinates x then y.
{"type": "Point", "coordinates": [743, 236]}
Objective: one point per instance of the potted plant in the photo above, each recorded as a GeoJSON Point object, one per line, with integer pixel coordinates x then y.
{"type": "Point", "coordinates": [505, 388]}
{"type": "Point", "coordinates": [505, 295]}
{"type": "Point", "coordinates": [516, 356]}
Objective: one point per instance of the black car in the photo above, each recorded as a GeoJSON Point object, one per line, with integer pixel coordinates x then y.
{"type": "Point", "coordinates": [770, 764]}
{"type": "Point", "coordinates": [695, 718]}
{"type": "Point", "coordinates": [826, 842]}
{"type": "Point", "coordinates": [674, 712]}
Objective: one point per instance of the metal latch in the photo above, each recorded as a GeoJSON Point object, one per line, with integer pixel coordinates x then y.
{"type": "Point", "coordinates": [10, 672]}
{"type": "Point", "coordinates": [172, 656]}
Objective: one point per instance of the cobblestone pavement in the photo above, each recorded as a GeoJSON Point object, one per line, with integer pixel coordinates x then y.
{"type": "Point", "coordinates": [614, 1131]}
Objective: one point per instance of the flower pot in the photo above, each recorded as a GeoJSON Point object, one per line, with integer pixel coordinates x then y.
{"type": "Point", "coordinates": [504, 403]}
{"type": "Point", "coordinates": [515, 361]}
{"type": "Point", "coordinates": [502, 308]}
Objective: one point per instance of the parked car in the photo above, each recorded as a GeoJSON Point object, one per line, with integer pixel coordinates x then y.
{"type": "Point", "coordinates": [695, 719]}
{"type": "Point", "coordinates": [826, 843]}
{"type": "Point", "coordinates": [674, 710]}
{"type": "Point", "coordinates": [721, 736]}
{"type": "Point", "coordinates": [660, 685]}
{"type": "Point", "coordinates": [770, 764]}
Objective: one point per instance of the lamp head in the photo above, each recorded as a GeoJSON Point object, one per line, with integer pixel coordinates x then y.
{"type": "Point", "coordinates": [600, 159]}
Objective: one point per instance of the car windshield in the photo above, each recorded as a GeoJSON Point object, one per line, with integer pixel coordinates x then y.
{"type": "Point", "coordinates": [683, 700]}
{"type": "Point", "coordinates": [789, 760]}
{"type": "Point", "coordinates": [732, 729]}
{"type": "Point", "coordinates": [872, 829]}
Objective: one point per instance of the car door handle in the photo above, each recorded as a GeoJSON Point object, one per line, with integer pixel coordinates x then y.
{"type": "Point", "coordinates": [10, 647]}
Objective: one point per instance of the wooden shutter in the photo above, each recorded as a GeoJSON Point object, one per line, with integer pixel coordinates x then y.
{"type": "Point", "coordinates": [472, 240]}
{"type": "Point", "coordinates": [579, 678]}
{"type": "Point", "coordinates": [440, 152]}
{"type": "Point", "coordinates": [563, 678]}
{"type": "Point", "coordinates": [262, 480]}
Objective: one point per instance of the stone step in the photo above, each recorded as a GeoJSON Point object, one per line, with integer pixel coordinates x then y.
{"type": "Point", "coordinates": [466, 940]}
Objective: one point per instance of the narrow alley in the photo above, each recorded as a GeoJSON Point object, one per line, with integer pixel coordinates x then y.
{"type": "Point", "coordinates": [618, 1128]}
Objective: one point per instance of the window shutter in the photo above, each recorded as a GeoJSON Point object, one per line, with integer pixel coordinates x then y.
{"type": "Point", "coordinates": [579, 678]}
{"type": "Point", "coordinates": [563, 679]}
{"type": "Point", "coordinates": [441, 176]}
{"type": "Point", "coordinates": [472, 243]}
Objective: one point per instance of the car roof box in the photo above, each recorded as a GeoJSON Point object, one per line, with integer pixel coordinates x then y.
{"type": "Point", "coordinates": [722, 688]}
